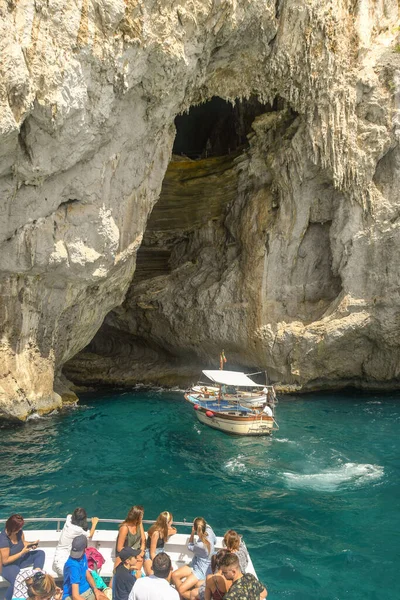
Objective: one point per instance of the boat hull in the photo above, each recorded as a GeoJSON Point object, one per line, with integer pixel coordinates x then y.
{"type": "Point", "coordinates": [237, 426]}
{"type": "Point", "coordinates": [232, 420]}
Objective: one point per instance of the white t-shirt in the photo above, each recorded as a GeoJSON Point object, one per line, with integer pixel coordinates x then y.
{"type": "Point", "coordinates": [153, 588]}
{"type": "Point", "coordinates": [69, 532]}
{"type": "Point", "coordinates": [268, 410]}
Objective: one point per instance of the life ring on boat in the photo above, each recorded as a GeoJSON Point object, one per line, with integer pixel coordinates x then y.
{"type": "Point", "coordinates": [196, 407]}
{"type": "Point", "coordinates": [209, 413]}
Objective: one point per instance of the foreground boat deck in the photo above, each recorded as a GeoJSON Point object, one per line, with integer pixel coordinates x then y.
{"type": "Point", "coordinates": [104, 541]}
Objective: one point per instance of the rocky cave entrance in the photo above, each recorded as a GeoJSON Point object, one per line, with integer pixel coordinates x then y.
{"type": "Point", "coordinates": [163, 333]}
{"type": "Point", "coordinates": [200, 180]}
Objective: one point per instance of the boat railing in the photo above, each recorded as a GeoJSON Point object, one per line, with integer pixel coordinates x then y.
{"type": "Point", "coordinates": [60, 520]}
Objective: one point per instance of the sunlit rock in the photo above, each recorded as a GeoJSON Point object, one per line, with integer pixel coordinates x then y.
{"type": "Point", "coordinates": [290, 261]}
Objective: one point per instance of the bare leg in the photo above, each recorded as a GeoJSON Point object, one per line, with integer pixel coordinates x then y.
{"type": "Point", "coordinates": [147, 565]}
{"type": "Point", "coordinates": [191, 594]}
{"type": "Point", "coordinates": [188, 584]}
{"type": "Point", "coordinates": [179, 575]}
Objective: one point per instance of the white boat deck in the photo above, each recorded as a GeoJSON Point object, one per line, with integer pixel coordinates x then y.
{"type": "Point", "coordinates": [104, 541]}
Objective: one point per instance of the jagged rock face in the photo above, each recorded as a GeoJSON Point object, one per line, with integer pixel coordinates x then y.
{"type": "Point", "coordinates": [296, 272]}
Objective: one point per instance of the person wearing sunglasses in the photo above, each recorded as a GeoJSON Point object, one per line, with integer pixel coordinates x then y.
{"type": "Point", "coordinates": [16, 552]}
{"type": "Point", "coordinates": [35, 585]}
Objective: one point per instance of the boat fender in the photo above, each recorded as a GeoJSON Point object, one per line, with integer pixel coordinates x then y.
{"type": "Point", "coordinates": [209, 413]}
{"type": "Point", "coordinates": [196, 407]}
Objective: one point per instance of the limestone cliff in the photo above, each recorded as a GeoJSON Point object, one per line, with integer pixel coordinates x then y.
{"type": "Point", "coordinates": [292, 266]}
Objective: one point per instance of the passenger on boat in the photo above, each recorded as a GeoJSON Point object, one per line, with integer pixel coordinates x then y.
{"type": "Point", "coordinates": [157, 535]}
{"type": "Point", "coordinates": [216, 584]}
{"type": "Point", "coordinates": [16, 552]}
{"type": "Point", "coordinates": [124, 580]}
{"type": "Point", "coordinates": [131, 533]}
{"type": "Point", "coordinates": [190, 576]}
{"type": "Point", "coordinates": [75, 525]}
{"type": "Point", "coordinates": [95, 561]}
{"type": "Point", "coordinates": [267, 410]}
{"type": "Point", "coordinates": [234, 543]}
{"type": "Point", "coordinates": [157, 586]}
{"type": "Point", "coordinates": [243, 585]}
{"type": "Point", "coordinates": [35, 585]}
{"type": "Point", "coordinates": [78, 581]}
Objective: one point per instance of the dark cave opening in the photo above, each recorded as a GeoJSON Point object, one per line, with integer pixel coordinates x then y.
{"type": "Point", "coordinates": [217, 127]}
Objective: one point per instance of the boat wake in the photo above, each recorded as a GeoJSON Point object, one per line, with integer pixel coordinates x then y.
{"type": "Point", "coordinates": [348, 474]}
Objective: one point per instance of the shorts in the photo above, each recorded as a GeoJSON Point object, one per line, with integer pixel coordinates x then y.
{"type": "Point", "coordinates": [147, 553]}
{"type": "Point", "coordinates": [198, 572]}
{"type": "Point", "coordinates": [88, 595]}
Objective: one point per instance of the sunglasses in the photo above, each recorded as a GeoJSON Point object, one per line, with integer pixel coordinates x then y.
{"type": "Point", "coordinates": [34, 580]}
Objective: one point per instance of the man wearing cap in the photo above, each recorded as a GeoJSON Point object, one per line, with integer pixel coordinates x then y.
{"type": "Point", "coordinates": [123, 578]}
{"type": "Point", "coordinates": [78, 581]}
{"type": "Point", "coordinates": [157, 586]}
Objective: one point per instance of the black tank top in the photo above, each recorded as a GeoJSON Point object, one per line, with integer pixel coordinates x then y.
{"type": "Point", "coordinates": [160, 542]}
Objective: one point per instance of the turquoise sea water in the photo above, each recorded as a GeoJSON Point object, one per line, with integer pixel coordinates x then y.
{"type": "Point", "coordinates": [317, 504]}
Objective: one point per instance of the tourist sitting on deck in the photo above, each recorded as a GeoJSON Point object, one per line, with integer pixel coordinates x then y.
{"type": "Point", "coordinates": [216, 584]}
{"type": "Point", "coordinates": [243, 585]}
{"type": "Point", "coordinates": [267, 410]}
{"type": "Point", "coordinates": [157, 535]}
{"type": "Point", "coordinates": [78, 581]}
{"type": "Point", "coordinates": [124, 580]}
{"type": "Point", "coordinates": [95, 561]}
{"type": "Point", "coordinates": [234, 543]}
{"type": "Point", "coordinates": [131, 533]}
{"type": "Point", "coordinates": [35, 585]}
{"type": "Point", "coordinates": [16, 553]}
{"type": "Point", "coordinates": [157, 586]}
{"type": "Point", "coordinates": [189, 576]}
{"type": "Point", "coordinates": [75, 525]}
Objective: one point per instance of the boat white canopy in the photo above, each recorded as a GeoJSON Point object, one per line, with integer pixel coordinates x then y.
{"type": "Point", "coordinates": [231, 378]}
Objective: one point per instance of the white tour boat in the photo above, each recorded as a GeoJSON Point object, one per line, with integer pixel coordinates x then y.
{"type": "Point", "coordinates": [104, 540]}
{"type": "Point", "coordinates": [239, 412]}
{"type": "Point", "coordinates": [233, 385]}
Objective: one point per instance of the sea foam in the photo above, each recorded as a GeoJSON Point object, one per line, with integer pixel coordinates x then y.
{"type": "Point", "coordinates": [347, 475]}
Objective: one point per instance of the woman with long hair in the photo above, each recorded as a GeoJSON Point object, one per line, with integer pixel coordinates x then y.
{"type": "Point", "coordinates": [16, 552]}
{"type": "Point", "coordinates": [190, 576]}
{"type": "Point", "coordinates": [75, 524]}
{"type": "Point", "coordinates": [234, 543]}
{"type": "Point", "coordinates": [157, 535]}
{"type": "Point", "coordinates": [131, 533]}
{"type": "Point", "coordinates": [216, 584]}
